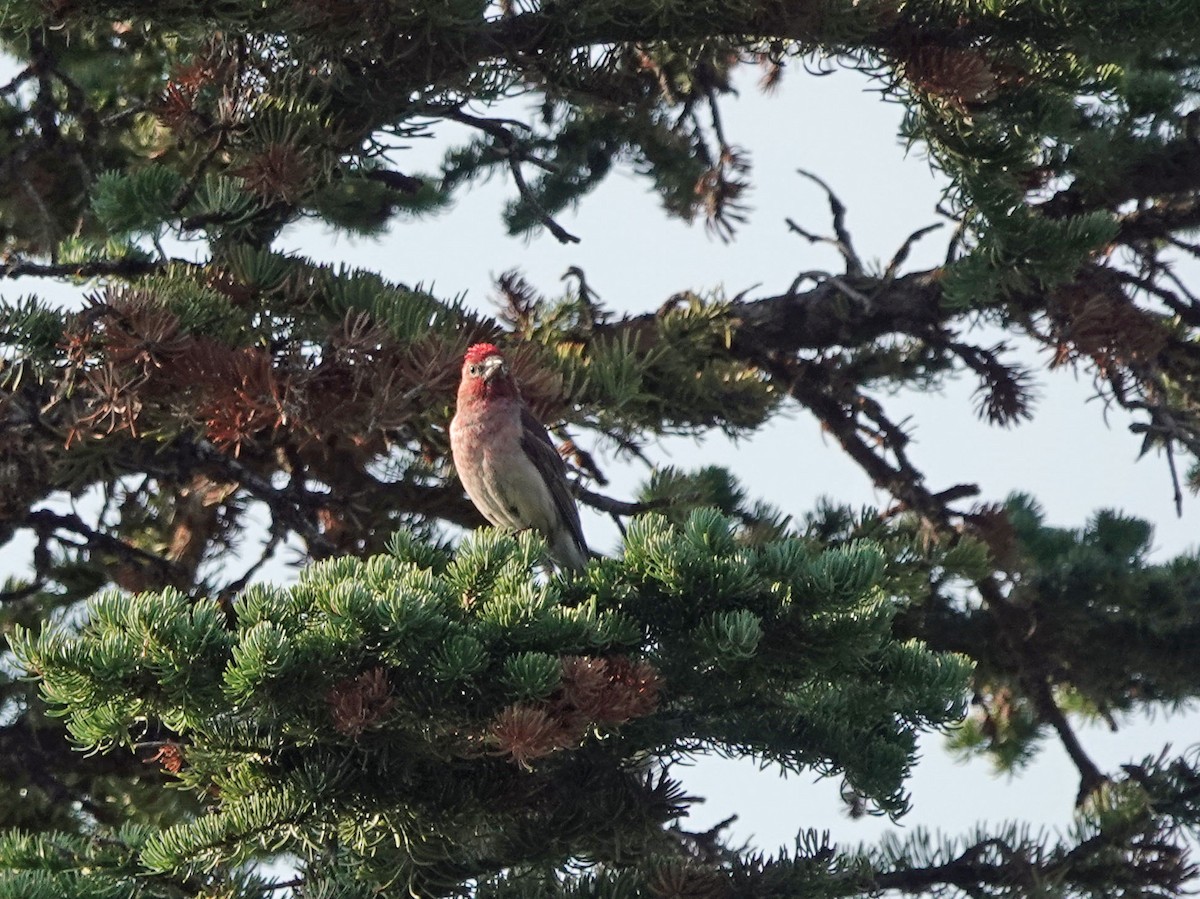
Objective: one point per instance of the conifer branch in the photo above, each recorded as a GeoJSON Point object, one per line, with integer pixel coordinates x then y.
{"type": "Point", "coordinates": [1173, 168]}
{"type": "Point", "coordinates": [804, 383]}
{"type": "Point", "coordinates": [561, 234]}
{"type": "Point", "coordinates": [45, 522]}
{"type": "Point", "coordinates": [20, 593]}
{"type": "Point", "coordinates": [1158, 220]}
{"type": "Point", "coordinates": [818, 318]}
{"type": "Point", "coordinates": [969, 872]}
{"type": "Point", "coordinates": [1189, 312]}
{"type": "Point", "coordinates": [439, 691]}
{"type": "Point", "coordinates": [17, 80]}
{"type": "Point", "coordinates": [616, 507]}
{"type": "Point", "coordinates": [999, 865]}
{"type": "Point", "coordinates": [188, 190]}
{"type": "Point", "coordinates": [513, 156]}
{"type": "Point", "coordinates": [296, 509]}
{"type": "Point", "coordinates": [291, 507]}
{"type": "Point", "coordinates": [121, 268]}
{"type": "Point", "coordinates": [1090, 776]}
{"type": "Point", "coordinates": [838, 415]}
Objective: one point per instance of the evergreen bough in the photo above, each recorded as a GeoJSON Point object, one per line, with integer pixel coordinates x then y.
{"type": "Point", "coordinates": [429, 719]}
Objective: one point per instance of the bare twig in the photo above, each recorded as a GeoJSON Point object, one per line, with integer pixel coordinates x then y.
{"type": "Point", "coordinates": [1090, 776]}
{"type": "Point", "coordinates": [277, 534]}
{"type": "Point", "coordinates": [901, 255]}
{"type": "Point", "coordinates": [1175, 479]}
{"type": "Point", "coordinates": [844, 244]}
{"type": "Point", "coordinates": [715, 114]}
{"type": "Point", "coordinates": [826, 278]}
{"type": "Point", "coordinates": [1186, 246]}
{"type": "Point", "coordinates": [45, 220]}
{"type": "Point", "coordinates": [20, 78]}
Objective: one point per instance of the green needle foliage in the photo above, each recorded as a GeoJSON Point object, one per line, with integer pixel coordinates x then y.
{"type": "Point", "coordinates": [435, 719]}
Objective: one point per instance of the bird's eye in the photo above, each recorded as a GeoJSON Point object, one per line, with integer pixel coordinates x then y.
{"type": "Point", "coordinates": [473, 369]}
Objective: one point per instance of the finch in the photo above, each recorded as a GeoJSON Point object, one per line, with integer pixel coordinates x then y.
{"type": "Point", "coordinates": [509, 467]}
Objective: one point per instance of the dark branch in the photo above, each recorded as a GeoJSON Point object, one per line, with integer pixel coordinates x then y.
{"type": "Point", "coordinates": [821, 318]}
{"type": "Point", "coordinates": [514, 157]}
{"type": "Point", "coordinates": [842, 242]}
{"type": "Point", "coordinates": [121, 268]}
{"type": "Point", "coordinates": [46, 522]}
{"type": "Point", "coordinates": [1172, 169]}
{"type": "Point", "coordinates": [603, 503]}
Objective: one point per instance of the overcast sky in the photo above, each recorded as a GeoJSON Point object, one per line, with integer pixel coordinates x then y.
{"type": "Point", "coordinates": [634, 257]}
{"type": "Point", "coordinates": [1072, 457]}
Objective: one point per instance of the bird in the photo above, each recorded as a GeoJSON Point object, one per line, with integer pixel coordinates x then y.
{"type": "Point", "coordinates": [506, 461]}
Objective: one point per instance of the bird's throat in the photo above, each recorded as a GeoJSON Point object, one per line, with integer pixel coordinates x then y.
{"type": "Point", "coordinates": [499, 387]}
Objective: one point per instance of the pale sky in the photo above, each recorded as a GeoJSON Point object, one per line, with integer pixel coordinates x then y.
{"type": "Point", "coordinates": [634, 258]}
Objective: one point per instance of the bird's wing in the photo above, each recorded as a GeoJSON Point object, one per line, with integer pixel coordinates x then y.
{"type": "Point", "coordinates": [541, 452]}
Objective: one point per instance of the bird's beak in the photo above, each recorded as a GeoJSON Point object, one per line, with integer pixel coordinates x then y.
{"type": "Point", "coordinates": [492, 366]}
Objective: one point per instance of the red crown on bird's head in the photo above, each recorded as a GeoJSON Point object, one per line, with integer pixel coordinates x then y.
{"type": "Point", "coordinates": [480, 351]}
